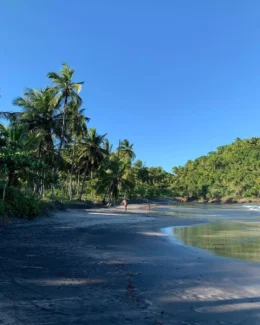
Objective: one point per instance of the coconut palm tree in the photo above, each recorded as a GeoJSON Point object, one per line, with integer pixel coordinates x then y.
{"type": "Point", "coordinates": [78, 128]}
{"type": "Point", "coordinates": [141, 172]}
{"type": "Point", "coordinates": [107, 146]}
{"type": "Point", "coordinates": [113, 176]}
{"type": "Point", "coordinates": [66, 91]}
{"type": "Point", "coordinates": [125, 149]}
{"type": "Point", "coordinates": [41, 114]}
{"type": "Point", "coordinates": [90, 154]}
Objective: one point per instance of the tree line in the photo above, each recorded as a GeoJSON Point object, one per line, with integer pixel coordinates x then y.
{"type": "Point", "coordinates": [48, 151]}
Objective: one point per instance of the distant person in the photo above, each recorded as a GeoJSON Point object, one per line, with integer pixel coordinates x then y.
{"type": "Point", "coordinates": [148, 207]}
{"type": "Point", "coordinates": [125, 203]}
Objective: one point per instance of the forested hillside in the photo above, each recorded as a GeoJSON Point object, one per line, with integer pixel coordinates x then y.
{"type": "Point", "coordinates": [231, 171]}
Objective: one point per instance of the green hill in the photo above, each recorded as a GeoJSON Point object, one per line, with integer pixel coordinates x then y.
{"type": "Point", "coordinates": [230, 171]}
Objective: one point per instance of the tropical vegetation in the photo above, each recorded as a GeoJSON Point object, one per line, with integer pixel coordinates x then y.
{"type": "Point", "coordinates": [47, 152]}
{"type": "Point", "coordinates": [232, 171]}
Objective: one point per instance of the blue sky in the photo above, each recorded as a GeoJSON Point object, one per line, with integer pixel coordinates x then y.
{"type": "Point", "coordinates": [176, 77]}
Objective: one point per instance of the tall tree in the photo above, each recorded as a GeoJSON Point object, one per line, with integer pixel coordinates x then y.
{"type": "Point", "coordinates": [113, 177]}
{"type": "Point", "coordinates": [78, 129]}
{"type": "Point", "coordinates": [17, 158]}
{"type": "Point", "coordinates": [66, 91]}
{"type": "Point", "coordinates": [41, 114]}
{"type": "Point", "coordinates": [125, 149]}
{"type": "Point", "coordinates": [91, 153]}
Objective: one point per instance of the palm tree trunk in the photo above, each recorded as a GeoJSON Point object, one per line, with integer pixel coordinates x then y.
{"type": "Point", "coordinates": [112, 193]}
{"type": "Point", "coordinates": [53, 185]}
{"type": "Point", "coordinates": [83, 182]}
{"type": "Point", "coordinates": [57, 164]}
{"type": "Point", "coordinates": [42, 185]}
{"type": "Point", "coordinates": [63, 126]}
{"type": "Point", "coordinates": [72, 169]}
{"type": "Point", "coordinates": [4, 192]}
{"type": "Point", "coordinates": [78, 184]}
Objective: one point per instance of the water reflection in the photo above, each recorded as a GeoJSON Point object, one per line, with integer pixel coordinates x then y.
{"type": "Point", "coordinates": [235, 239]}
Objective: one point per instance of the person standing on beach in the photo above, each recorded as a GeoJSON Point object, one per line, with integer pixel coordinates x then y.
{"type": "Point", "coordinates": [125, 204]}
{"type": "Point", "coordinates": [148, 207]}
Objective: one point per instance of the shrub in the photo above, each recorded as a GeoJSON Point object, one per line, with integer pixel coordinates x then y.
{"type": "Point", "coordinates": [22, 204]}
{"type": "Point", "coordinates": [2, 208]}
{"type": "Point", "coordinates": [47, 207]}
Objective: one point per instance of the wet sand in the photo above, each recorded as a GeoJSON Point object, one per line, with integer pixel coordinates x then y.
{"type": "Point", "coordinates": [109, 267]}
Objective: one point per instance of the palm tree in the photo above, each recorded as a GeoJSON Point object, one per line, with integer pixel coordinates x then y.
{"type": "Point", "coordinates": [78, 128]}
{"type": "Point", "coordinates": [66, 91]}
{"type": "Point", "coordinates": [107, 146]}
{"type": "Point", "coordinates": [113, 176]}
{"type": "Point", "coordinates": [125, 149]}
{"type": "Point", "coordinates": [141, 172]}
{"type": "Point", "coordinates": [157, 174]}
{"type": "Point", "coordinates": [41, 114]}
{"type": "Point", "coordinates": [13, 117]}
{"type": "Point", "coordinates": [17, 151]}
{"type": "Point", "coordinates": [90, 153]}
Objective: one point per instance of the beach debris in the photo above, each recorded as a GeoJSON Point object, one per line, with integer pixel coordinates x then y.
{"type": "Point", "coordinates": [130, 286]}
{"type": "Point", "coordinates": [132, 274]}
{"type": "Point", "coordinates": [131, 292]}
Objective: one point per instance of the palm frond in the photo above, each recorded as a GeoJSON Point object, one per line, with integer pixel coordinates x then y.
{"type": "Point", "coordinates": [77, 86]}
{"type": "Point", "coordinates": [77, 98]}
{"type": "Point", "coordinates": [55, 78]}
{"type": "Point", "coordinates": [66, 72]}
{"type": "Point", "coordinates": [10, 116]}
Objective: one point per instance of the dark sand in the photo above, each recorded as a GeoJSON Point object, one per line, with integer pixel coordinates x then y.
{"type": "Point", "coordinates": [108, 267]}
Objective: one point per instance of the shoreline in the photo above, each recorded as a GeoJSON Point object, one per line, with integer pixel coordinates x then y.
{"type": "Point", "coordinates": [58, 206]}
{"type": "Point", "coordinates": [105, 266]}
{"type": "Point", "coordinates": [228, 200]}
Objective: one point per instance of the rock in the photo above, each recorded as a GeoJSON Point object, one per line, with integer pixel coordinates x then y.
{"type": "Point", "coordinates": [243, 201]}
{"type": "Point", "coordinates": [214, 201]}
{"type": "Point", "coordinates": [202, 201]}
{"type": "Point", "coordinates": [228, 200]}
{"type": "Point", "coordinates": [181, 199]}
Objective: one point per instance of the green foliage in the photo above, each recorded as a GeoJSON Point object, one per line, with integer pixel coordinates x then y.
{"type": "Point", "coordinates": [2, 208]}
{"type": "Point", "coordinates": [232, 171]}
{"type": "Point", "coordinates": [47, 151]}
{"type": "Point", "coordinates": [22, 204]}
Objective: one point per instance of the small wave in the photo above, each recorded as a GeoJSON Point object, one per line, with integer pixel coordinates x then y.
{"type": "Point", "coordinates": [252, 207]}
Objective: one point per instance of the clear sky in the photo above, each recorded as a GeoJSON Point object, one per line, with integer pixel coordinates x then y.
{"type": "Point", "coordinates": [176, 77]}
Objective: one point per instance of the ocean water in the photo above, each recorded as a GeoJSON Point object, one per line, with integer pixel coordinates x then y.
{"type": "Point", "coordinates": [231, 231]}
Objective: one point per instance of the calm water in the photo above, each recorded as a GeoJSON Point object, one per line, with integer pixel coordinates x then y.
{"type": "Point", "coordinates": [231, 230]}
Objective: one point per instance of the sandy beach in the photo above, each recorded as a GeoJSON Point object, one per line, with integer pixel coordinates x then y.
{"type": "Point", "coordinates": [109, 267]}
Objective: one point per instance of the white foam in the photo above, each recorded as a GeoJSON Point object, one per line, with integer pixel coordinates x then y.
{"type": "Point", "coordinates": [252, 207]}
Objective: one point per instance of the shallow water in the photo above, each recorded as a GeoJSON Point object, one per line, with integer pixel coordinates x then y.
{"type": "Point", "coordinates": [232, 230]}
